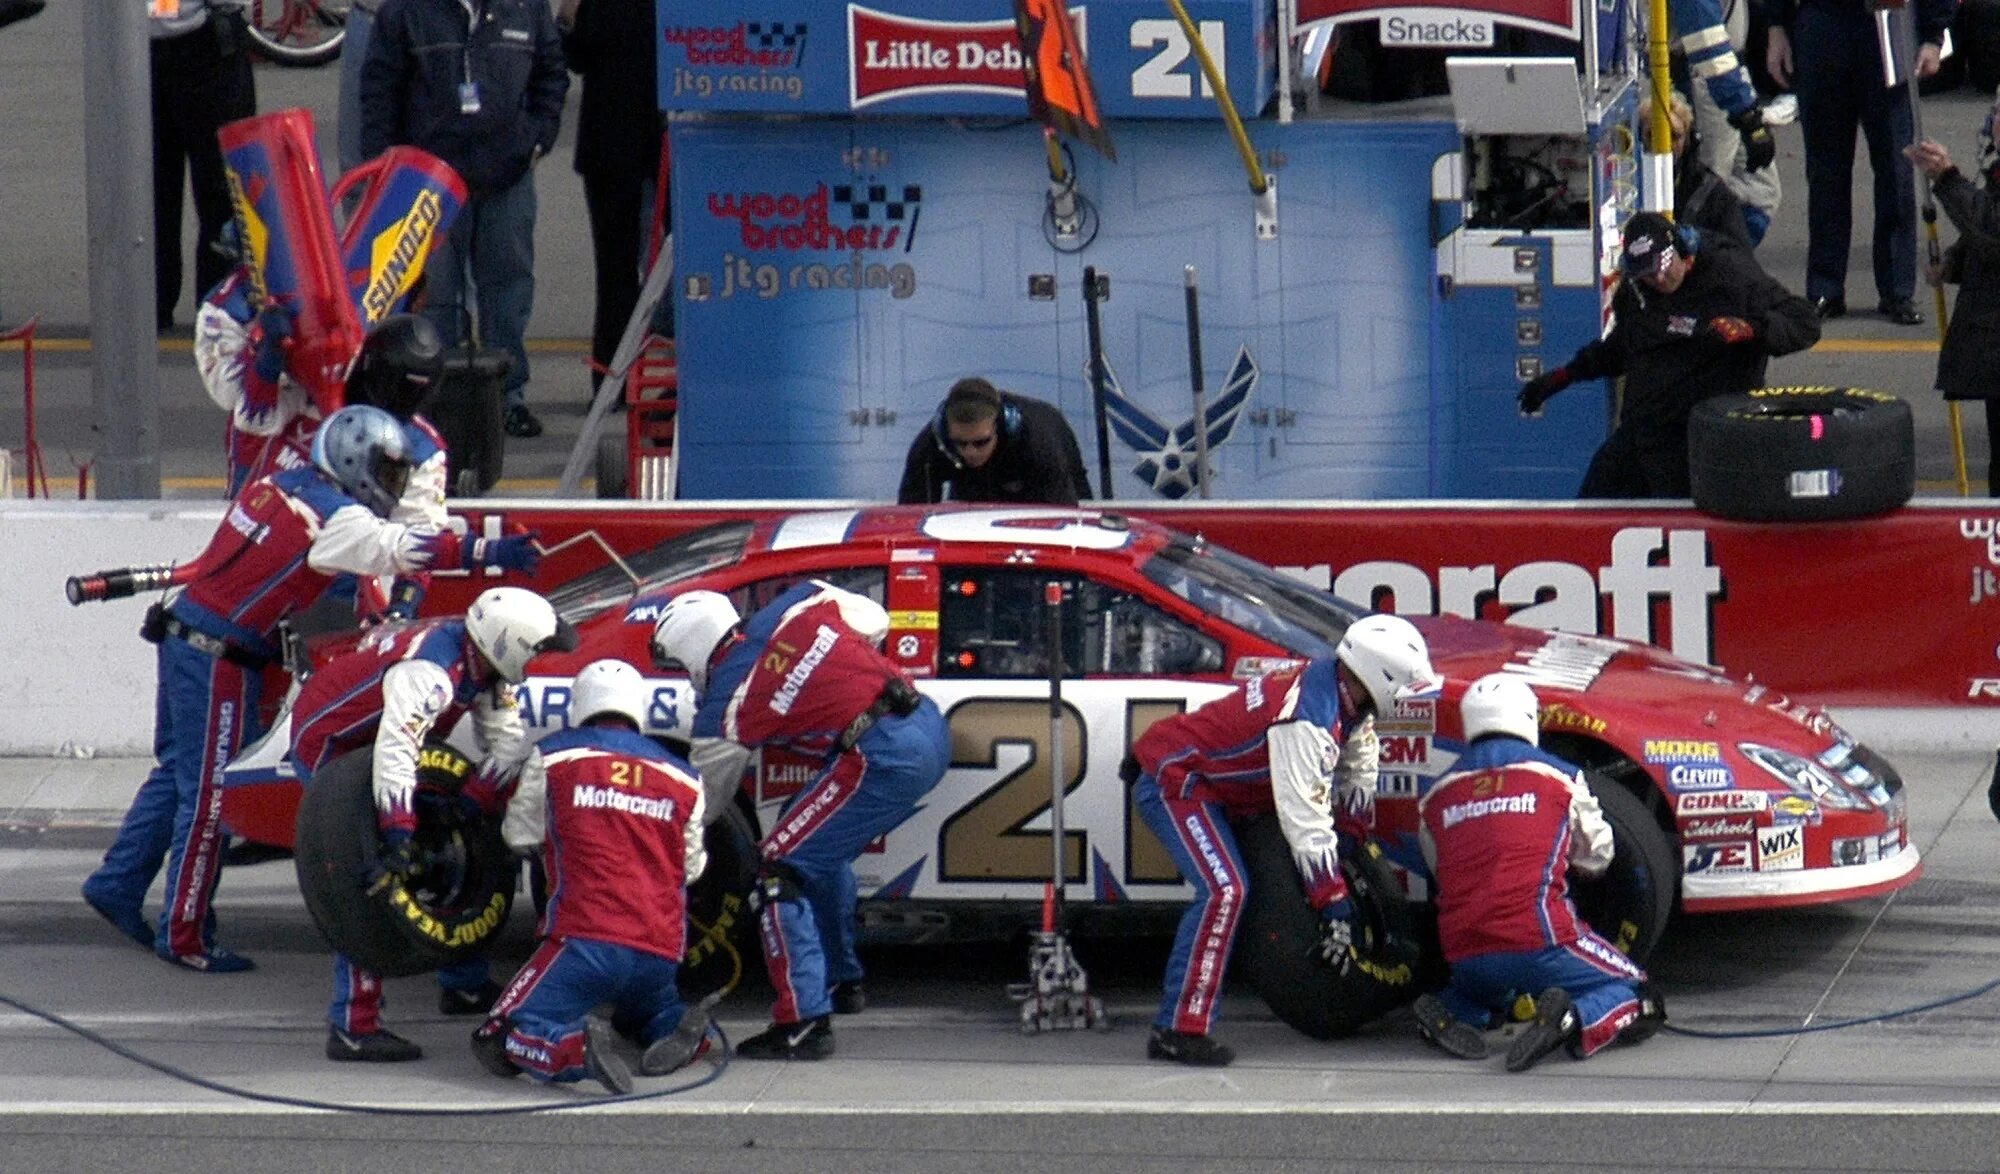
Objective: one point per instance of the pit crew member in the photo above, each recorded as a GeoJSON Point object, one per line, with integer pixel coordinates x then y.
{"type": "Point", "coordinates": [805, 673]}
{"type": "Point", "coordinates": [617, 820]}
{"type": "Point", "coordinates": [283, 540]}
{"type": "Point", "coordinates": [1500, 833]}
{"type": "Point", "coordinates": [1278, 742]}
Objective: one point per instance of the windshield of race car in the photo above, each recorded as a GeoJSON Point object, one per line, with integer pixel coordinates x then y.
{"type": "Point", "coordinates": [1251, 596]}
{"type": "Point", "coordinates": [675, 559]}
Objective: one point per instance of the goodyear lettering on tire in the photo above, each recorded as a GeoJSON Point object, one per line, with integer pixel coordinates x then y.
{"type": "Point", "coordinates": [465, 933]}
{"type": "Point", "coordinates": [446, 759]}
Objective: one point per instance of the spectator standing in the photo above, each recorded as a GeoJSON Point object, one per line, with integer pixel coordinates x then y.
{"type": "Point", "coordinates": [1826, 50]}
{"type": "Point", "coordinates": [353, 55]}
{"type": "Point", "coordinates": [610, 45]}
{"type": "Point", "coordinates": [201, 79]}
{"type": "Point", "coordinates": [1693, 320]}
{"type": "Point", "coordinates": [1500, 832]}
{"type": "Point", "coordinates": [1969, 361]}
{"type": "Point", "coordinates": [479, 84]}
{"type": "Point", "coordinates": [985, 444]}
{"type": "Point", "coordinates": [617, 820]}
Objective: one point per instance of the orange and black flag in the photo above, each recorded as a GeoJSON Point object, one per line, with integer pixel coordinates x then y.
{"type": "Point", "coordinates": [1060, 94]}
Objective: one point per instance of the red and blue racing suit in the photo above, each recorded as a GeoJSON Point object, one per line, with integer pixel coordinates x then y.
{"type": "Point", "coordinates": [400, 684]}
{"type": "Point", "coordinates": [618, 822]}
{"type": "Point", "coordinates": [282, 541]}
{"type": "Point", "coordinates": [806, 675]}
{"type": "Point", "coordinates": [1501, 832]}
{"type": "Point", "coordinates": [1276, 743]}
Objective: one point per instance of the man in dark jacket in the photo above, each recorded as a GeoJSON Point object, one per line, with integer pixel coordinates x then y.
{"type": "Point", "coordinates": [609, 45]}
{"type": "Point", "coordinates": [991, 445]}
{"type": "Point", "coordinates": [1969, 361]}
{"type": "Point", "coordinates": [480, 84]}
{"type": "Point", "coordinates": [1692, 322]}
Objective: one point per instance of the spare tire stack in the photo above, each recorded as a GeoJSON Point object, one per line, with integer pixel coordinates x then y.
{"type": "Point", "coordinates": [1801, 454]}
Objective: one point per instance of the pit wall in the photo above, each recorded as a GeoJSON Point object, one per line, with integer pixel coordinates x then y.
{"type": "Point", "coordinates": [1894, 613]}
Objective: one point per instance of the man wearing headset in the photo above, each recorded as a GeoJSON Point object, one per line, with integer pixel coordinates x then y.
{"type": "Point", "coordinates": [1695, 317]}
{"type": "Point", "coordinates": [985, 444]}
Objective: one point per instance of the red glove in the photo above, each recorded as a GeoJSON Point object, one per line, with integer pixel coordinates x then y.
{"type": "Point", "coordinates": [1732, 330]}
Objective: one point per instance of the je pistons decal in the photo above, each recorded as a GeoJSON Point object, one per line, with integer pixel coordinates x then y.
{"type": "Point", "coordinates": [891, 56]}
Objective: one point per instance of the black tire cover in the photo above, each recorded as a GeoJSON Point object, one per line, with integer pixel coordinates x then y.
{"type": "Point", "coordinates": [451, 913]}
{"type": "Point", "coordinates": [1801, 454]}
{"type": "Point", "coordinates": [1276, 946]}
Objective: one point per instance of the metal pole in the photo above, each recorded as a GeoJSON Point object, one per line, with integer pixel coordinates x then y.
{"type": "Point", "coordinates": [1194, 376]}
{"type": "Point", "coordinates": [117, 157]}
{"type": "Point", "coordinates": [1906, 46]}
{"type": "Point", "coordinates": [1659, 153]}
{"type": "Point", "coordinates": [1098, 393]}
{"type": "Point", "coordinates": [1052, 596]}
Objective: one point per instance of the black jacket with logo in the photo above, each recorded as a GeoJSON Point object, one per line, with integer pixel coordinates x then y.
{"type": "Point", "coordinates": [422, 52]}
{"type": "Point", "coordinates": [1037, 461]}
{"type": "Point", "coordinates": [1671, 358]}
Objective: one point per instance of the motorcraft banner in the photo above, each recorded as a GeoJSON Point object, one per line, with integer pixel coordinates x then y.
{"type": "Point", "coordinates": [1902, 610]}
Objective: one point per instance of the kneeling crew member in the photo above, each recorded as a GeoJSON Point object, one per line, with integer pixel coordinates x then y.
{"type": "Point", "coordinates": [1491, 828]}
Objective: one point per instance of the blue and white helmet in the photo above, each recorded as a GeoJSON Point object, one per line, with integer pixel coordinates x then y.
{"type": "Point", "coordinates": [363, 450]}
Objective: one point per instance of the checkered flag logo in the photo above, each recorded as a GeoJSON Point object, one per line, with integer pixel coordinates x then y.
{"type": "Point", "coordinates": [759, 35]}
{"type": "Point", "coordinates": [878, 203]}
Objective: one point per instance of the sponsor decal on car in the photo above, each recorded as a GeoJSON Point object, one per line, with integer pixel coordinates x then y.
{"type": "Point", "coordinates": [1685, 777]}
{"type": "Point", "coordinates": [1413, 715]}
{"type": "Point", "coordinates": [1663, 751]}
{"type": "Point", "coordinates": [1397, 784]}
{"type": "Point", "coordinates": [1719, 856]}
{"type": "Point", "coordinates": [1247, 667]}
{"type": "Point", "coordinates": [1781, 848]}
{"type": "Point", "coordinates": [1721, 802]}
{"type": "Point", "coordinates": [1400, 748]}
{"type": "Point", "coordinates": [1867, 849]}
{"type": "Point", "coordinates": [1720, 827]}
{"type": "Point", "coordinates": [1562, 717]}
{"type": "Point", "coordinates": [1794, 809]}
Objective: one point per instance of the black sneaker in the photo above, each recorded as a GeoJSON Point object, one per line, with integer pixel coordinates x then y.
{"type": "Point", "coordinates": [810, 1040]}
{"type": "Point", "coordinates": [674, 1051]}
{"type": "Point", "coordinates": [380, 1047]}
{"type": "Point", "coordinates": [521, 423]}
{"type": "Point", "coordinates": [1201, 1051]}
{"type": "Point", "coordinates": [1440, 1027]}
{"type": "Point", "coordinates": [1652, 1017]}
{"type": "Point", "coordinates": [849, 998]}
{"type": "Point", "coordinates": [127, 919]}
{"type": "Point", "coordinates": [604, 1064]}
{"type": "Point", "coordinates": [489, 1047]}
{"type": "Point", "coordinates": [477, 1002]}
{"type": "Point", "coordinates": [1555, 1024]}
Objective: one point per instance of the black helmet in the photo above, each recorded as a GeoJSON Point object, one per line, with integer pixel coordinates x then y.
{"type": "Point", "coordinates": [400, 363]}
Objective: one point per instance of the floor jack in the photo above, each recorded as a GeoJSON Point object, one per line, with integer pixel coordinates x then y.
{"type": "Point", "coordinates": [1057, 995]}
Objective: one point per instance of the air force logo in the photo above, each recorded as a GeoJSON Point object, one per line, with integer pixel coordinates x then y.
{"type": "Point", "coordinates": [1169, 457]}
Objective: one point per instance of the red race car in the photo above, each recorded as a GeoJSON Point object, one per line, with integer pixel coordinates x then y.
{"type": "Point", "coordinates": [1720, 794]}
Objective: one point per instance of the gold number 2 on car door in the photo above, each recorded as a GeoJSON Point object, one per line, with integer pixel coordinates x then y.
{"type": "Point", "coordinates": [983, 841]}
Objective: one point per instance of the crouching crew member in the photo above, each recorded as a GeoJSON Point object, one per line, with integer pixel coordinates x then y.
{"type": "Point", "coordinates": [805, 674]}
{"type": "Point", "coordinates": [398, 685]}
{"type": "Point", "coordinates": [1500, 832]}
{"type": "Point", "coordinates": [617, 820]}
{"type": "Point", "coordinates": [1278, 742]}
{"type": "Point", "coordinates": [282, 542]}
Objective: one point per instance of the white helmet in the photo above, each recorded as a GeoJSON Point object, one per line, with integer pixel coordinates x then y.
{"type": "Point", "coordinates": [509, 625]}
{"type": "Point", "coordinates": [1501, 703]}
{"type": "Point", "coordinates": [608, 686]}
{"type": "Point", "coordinates": [689, 629]}
{"type": "Point", "coordinates": [1390, 657]}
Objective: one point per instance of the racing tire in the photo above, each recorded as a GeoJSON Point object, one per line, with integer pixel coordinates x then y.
{"type": "Point", "coordinates": [1801, 454]}
{"type": "Point", "coordinates": [613, 478]}
{"type": "Point", "coordinates": [1629, 905]}
{"type": "Point", "coordinates": [722, 941]}
{"type": "Point", "coordinates": [1277, 946]}
{"type": "Point", "coordinates": [450, 912]}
